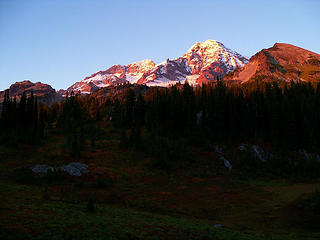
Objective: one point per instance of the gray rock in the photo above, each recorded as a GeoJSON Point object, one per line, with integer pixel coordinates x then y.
{"type": "Point", "coordinates": [292, 162]}
{"type": "Point", "coordinates": [307, 156]}
{"type": "Point", "coordinates": [42, 168]}
{"type": "Point", "coordinates": [260, 153]}
{"type": "Point", "coordinates": [75, 169]}
{"type": "Point", "coordinates": [218, 225]}
{"type": "Point", "coordinates": [81, 166]}
{"type": "Point", "coordinates": [226, 163]}
{"type": "Point", "coordinates": [304, 154]}
{"type": "Point", "coordinates": [72, 171]}
{"type": "Point", "coordinates": [243, 147]}
{"type": "Point", "coordinates": [257, 151]}
{"type": "Point", "coordinates": [218, 149]}
{"type": "Point", "coordinates": [199, 117]}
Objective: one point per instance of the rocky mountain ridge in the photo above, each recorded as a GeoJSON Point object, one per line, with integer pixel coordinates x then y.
{"type": "Point", "coordinates": [117, 74]}
{"type": "Point", "coordinates": [44, 92]}
{"type": "Point", "coordinates": [282, 62]}
{"type": "Point", "coordinates": [203, 62]}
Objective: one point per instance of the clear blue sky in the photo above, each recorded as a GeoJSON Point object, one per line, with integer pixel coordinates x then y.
{"type": "Point", "coordinates": [60, 42]}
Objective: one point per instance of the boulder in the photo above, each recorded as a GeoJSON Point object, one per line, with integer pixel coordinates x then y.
{"type": "Point", "coordinates": [260, 153]}
{"type": "Point", "coordinates": [305, 155]}
{"type": "Point", "coordinates": [75, 169]}
{"type": "Point", "coordinates": [218, 225]}
{"type": "Point", "coordinates": [226, 163]}
{"type": "Point", "coordinates": [218, 149]}
{"type": "Point", "coordinates": [42, 168]}
{"type": "Point", "coordinates": [199, 117]}
{"type": "Point", "coordinates": [81, 166]}
{"type": "Point", "coordinates": [256, 150]}
{"type": "Point", "coordinates": [243, 147]}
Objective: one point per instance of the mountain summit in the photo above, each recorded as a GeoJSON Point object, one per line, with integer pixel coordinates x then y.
{"type": "Point", "coordinates": [211, 59]}
{"type": "Point", "coordinates": [203, 62]}
{"type": "Point", "coordinates": [203, 55]}
{"type": "Point", "coordinates": [44, 92]}
{"type": "Point", "coordinates": [284, 62]}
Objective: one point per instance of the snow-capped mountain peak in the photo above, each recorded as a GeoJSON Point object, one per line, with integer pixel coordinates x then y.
{"type": "Point", "coordinates": [202, 55]}
{"type": "Point", "coordinates": [203, 62]}
{"type": "Point", "coordinates": [208, 43]}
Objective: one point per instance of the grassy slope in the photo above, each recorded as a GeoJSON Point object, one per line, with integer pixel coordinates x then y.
{"type": "Point", "coordinates": [141, 203]}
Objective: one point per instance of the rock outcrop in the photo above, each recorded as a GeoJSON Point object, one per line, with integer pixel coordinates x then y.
{"type": "Point", "coordinates": [44, 92]}
{"type": "Point", "coordinates": [74, 169]}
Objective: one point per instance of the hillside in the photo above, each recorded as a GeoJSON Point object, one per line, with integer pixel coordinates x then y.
{"type": "Point", "coordinates": [283, 62]}
{"type": "Point", "coordinates": [137, 162]}
{"type": "Point", "coordinates": [44, 92]}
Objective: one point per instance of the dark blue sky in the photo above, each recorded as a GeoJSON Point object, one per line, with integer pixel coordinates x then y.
{"type": "Point", "coordinates": [61, 42]}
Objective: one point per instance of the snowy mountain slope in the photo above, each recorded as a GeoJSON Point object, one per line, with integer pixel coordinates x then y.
{"type": "Point", "coordinates": [116, 74]}
{"type": "Point", "coordinates": [203, 55]}
{"type": "Point", "coordinates": [203, 62]}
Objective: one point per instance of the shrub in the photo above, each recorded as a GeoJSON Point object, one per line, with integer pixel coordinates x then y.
{"type": "Point", "coordinates": [248, 164]}
{"type": "Point", "coordinates": [45, 194]}
{"type": "Point", "coordinates": [91, 206]}
{"type": "Point", "coordinates": [307, 169]}
{"type": "Point", "coordinates": [124, 142]}
{"type": "Point", "coordinates": [25, 175]}
{"type": "Point", "coordinates": [104, 182]}
{"type": "Point", "coordinates": [280, 165]}
{"type": "Point", "coordinates": [166, 153]}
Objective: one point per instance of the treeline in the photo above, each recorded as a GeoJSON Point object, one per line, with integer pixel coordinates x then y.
{"type": "Point", "coordinates": [23, 121]}
{"type": "Point", "coordinates": [76, 118]}
{"type": "Point", "coordinates": [286, 115]}
{"type": "Point", "coordinates": [283, 116]}
{"type": "Point", "coordinates": [27, 121]}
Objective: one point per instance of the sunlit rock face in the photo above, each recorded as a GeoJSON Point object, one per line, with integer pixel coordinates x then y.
{"type": "Point", "coordinates": [201, 63]}
{"type": "Point", "coordinates": [117, 74]}
{"type": "Point", "coordinates": [282, 62]}
{"type": "Point", "coordinates": [44, 92]}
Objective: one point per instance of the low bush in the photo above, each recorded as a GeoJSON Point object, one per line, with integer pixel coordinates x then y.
{"type": "Point", "coordinates": [166, 153]}
{"type": "Point", "coordinates": [104, 183]}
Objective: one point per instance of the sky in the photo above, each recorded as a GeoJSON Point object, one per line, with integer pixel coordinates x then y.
{"type": "Point", "coordinates": [60, 42]}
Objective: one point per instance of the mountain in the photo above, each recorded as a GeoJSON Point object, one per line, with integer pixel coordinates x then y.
{"type": "Point", "coordinates": [201, 63]}
{"type": "Point", "coordinates": [282, 62]}
{"type": "Point", "coordinates": [44, 92]}
{"type": "Point", "coordinates": [115, 75]}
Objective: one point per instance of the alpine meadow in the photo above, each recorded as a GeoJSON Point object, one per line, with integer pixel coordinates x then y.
{"type": "Point", "coordinates": [196, 141]}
